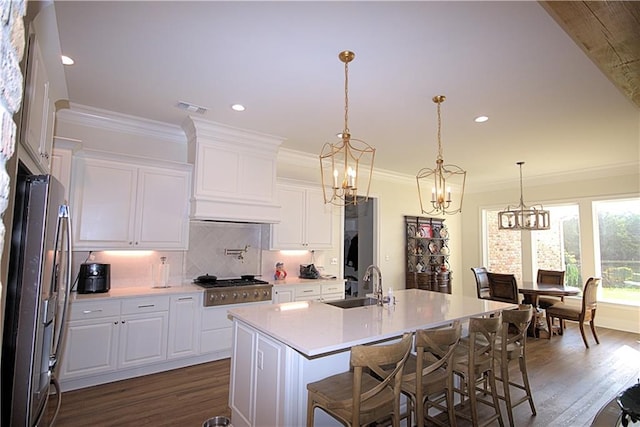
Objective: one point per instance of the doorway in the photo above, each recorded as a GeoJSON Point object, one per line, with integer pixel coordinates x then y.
{"type": "Point", "coordinates": [359, 244]}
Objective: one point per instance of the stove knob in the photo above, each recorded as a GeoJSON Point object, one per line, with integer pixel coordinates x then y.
{"type": "Point", "coordinates": [235, 295]}
{"type": "Point", "coordinates": [245, 295]}
{"type": "Point", "coordinates": [256, 294]}
{"type": "Point", "coordinates": [223, 296]}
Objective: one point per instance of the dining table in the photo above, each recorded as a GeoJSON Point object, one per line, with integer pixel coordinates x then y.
{"type": "Point", "coordinates": [531, 292]}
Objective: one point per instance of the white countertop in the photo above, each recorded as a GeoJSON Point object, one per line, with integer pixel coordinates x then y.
{"type": "Point", "coordinates": [126, 292]}
{"type": "Point", "coordinates": [314, 328]}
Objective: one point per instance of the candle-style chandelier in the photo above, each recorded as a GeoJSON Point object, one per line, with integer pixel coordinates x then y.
{"type": "Point", "coordinates": [440, 180]}
{"type": "Point", "coordinates": [346, 164]}
{"type": "Point", "coordinates": [523, 217]}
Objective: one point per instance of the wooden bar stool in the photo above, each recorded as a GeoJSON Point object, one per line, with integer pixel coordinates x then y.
{"type": "Point", "coordinates": [358, 398]}
{"type": "Point", "coordinates": [510, 346]}
{"type": "Point", "coordinates": [429, 373]}
{"type": "Point", "coordinates": [473, 361]}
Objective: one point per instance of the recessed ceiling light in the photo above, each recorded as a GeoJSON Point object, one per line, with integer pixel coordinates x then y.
{"type": "Point", "coordinates": [237, 107]}
{"type": "Point", "coordinates": [66, 60]}
{"type": "Point", "coordinates": [481, 119]}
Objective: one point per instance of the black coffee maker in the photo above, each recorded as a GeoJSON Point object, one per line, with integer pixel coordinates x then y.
{"type": "Point", "coordinates": [94, 278]}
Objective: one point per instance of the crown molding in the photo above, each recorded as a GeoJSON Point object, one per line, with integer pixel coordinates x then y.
{"type": "Point", "coordinates": [585, 174]}
{"type": "Point", "coordinates": [308, 160]}
{"type": "Point", "coordinates": [83, 115]}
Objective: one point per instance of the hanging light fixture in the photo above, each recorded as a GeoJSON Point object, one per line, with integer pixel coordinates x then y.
{"type": "Point", "coordinates": [522, 217]}
{"type": "Point", "coordinates": [441, 180]}
{"type": "Point", "coordinates": [349, 162]}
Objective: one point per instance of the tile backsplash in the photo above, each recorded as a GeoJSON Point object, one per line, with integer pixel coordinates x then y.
{"type": "Point", "coordinates": [208, 241]}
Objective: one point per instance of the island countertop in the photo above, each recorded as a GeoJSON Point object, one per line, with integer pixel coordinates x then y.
{"type": "Point", "coordinates": [314, 328]}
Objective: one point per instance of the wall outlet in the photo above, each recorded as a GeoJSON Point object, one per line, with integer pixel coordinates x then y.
{"type": "Point", "coordinates": [334, 261]}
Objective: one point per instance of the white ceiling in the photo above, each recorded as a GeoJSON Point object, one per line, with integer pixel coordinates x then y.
{"type": "Point", "coordinates": [548, 104]}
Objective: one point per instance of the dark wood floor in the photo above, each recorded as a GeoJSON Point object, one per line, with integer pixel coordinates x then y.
{"type": "Point", "coordinates": [570, 384]}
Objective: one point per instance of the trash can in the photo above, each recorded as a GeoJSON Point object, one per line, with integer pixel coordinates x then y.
{"type": "Point", "coordinates": [217, 422]}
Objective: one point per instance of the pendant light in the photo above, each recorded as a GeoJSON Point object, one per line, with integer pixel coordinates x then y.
{"type": "Point", "coordinates": [522, 217]}
{"type": "Point", "coordinates": [347, 165]}
{"type": "Point", "coordinates": [440, 180]}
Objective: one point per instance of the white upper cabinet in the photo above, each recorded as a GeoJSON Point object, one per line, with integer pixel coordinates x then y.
{"type": "Point", "coordinates": [306, 221]}
{"type": "Point", "coordinates": [234, 175]}
{"type": "Point", "coordinates": [119, 205]}
{"type": "Point", "coordinates": [39, 112]}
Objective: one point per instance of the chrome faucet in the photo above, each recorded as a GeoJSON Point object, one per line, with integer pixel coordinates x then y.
{"type": "Point", "coordinates": [377, 285]}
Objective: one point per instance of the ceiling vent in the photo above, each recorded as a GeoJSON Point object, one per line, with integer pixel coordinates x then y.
{"type": "Point", "coordinates": [192, 108]}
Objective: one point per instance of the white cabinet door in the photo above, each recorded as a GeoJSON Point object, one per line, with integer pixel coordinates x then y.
{"type": "Point", "coordinates": [104, 204]}
{"type": "Point", "coordinates": [258, 368]}
{"type": "Point", "coordinates": [39, 112]}
{"type": "Point", "coordinates": [119, 205]}
{"type": "Point", "coordinates": [269, 375]}
{"type": "Point", "coordinates": [143, 339]}
{"type": "Point", "coordinates": [306, 222]}
{"type": "Point", "coordinates": [290, 232]}
{"type": "Point", "coordinates": [162, 212]}
{"type": "Point", "coordinates": [282, 295]}
{"type": "Point", "coordinates": [91, 347]}
{"type": "Point", "coordinates": [319, 221]}
{"type": "Point", "coordinates": [184, 326]}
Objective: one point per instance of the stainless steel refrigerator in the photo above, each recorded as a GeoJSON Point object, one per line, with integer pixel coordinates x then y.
{"type": "Point", "coordinates": [37, 298]}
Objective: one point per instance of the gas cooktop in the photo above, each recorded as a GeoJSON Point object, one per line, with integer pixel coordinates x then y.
{"type": "Point", "coordinates": [225, 283]}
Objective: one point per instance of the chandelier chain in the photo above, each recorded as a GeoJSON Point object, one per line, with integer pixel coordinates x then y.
{"type": "Point", "coordinates": [346, 97]}
{"type": "Point", "coordinates": [439, 132]}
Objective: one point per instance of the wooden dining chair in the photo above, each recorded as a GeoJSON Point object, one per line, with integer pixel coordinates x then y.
{"type": "Point", "coordinates": [473, 361]}
{"type": "Point", "coordinates": [586, 313]}
{"type": "Point", "coordinates": [549, 277]}
{"type": "Point", "coordinates": [511, 346]}
{"type": "Point", "coordinates": [369, 391]}
{"type": "Point", "coordinates": [482, 282]}
{"type": "Point", "coordinates": [503, 287]}
{"type": "Point", "coordinates": [427, 380]}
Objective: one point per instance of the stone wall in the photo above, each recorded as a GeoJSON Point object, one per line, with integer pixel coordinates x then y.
{"type": "Point", "coordinates": [11, 52]}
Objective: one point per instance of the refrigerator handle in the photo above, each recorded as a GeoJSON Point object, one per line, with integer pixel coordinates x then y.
{"type": "Point", "coordinates": [63, 216]}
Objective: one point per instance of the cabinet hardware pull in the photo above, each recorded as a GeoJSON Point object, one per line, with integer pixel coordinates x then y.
{"type": "Point", "coordinates": [91, 311]}
{"type": "Point", "coordinates": [146, 306]}
{"type": "Point", "coordinates": [115, 323]}
{"type": "Point", "coordinates": [185, 298]}
{"type": "Point", "coordinates": [308, 290]}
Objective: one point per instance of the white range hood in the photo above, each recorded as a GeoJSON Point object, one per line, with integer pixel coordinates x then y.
{"type": "Point", "coordinates": [234, 172]}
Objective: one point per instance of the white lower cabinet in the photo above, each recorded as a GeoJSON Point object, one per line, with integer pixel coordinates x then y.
{"type": "Point", "coordinates": [282, 294]}
{"type": "Point", "coordinates": [317, 291]}
{"type": "Point", "coordinates": [105, 336]}
{"type": "Point", "coordinates": [184, 325]}
{"type": "Point", "coordinates": [254, 372]}
{"type": "Point", "coordinates": [216, 330]}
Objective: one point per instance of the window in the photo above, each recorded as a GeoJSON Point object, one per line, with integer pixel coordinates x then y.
{"type": "Point", "coordinates": [555, 249]}
{"type": "Point", "coordinates": [618, 241]}
{"type": "Point", "coordinates": [559, 247]}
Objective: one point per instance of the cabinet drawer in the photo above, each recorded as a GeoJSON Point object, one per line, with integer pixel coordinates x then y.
{"type": "Point", "coordinates": [332, 288]}
{"type": "Point", "coordinates": [307, 290]}
{"type": "Point", "coordinates": [145, 305]}
{"type": "Point", "coordinates": [94, 309]}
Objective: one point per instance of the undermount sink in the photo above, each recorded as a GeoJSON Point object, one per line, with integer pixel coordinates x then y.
{"type": "Point", "coordinates": [353, 302]}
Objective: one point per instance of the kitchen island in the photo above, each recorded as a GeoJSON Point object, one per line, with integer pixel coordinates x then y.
{"type": "Point", "coordinates": [279, 349]}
